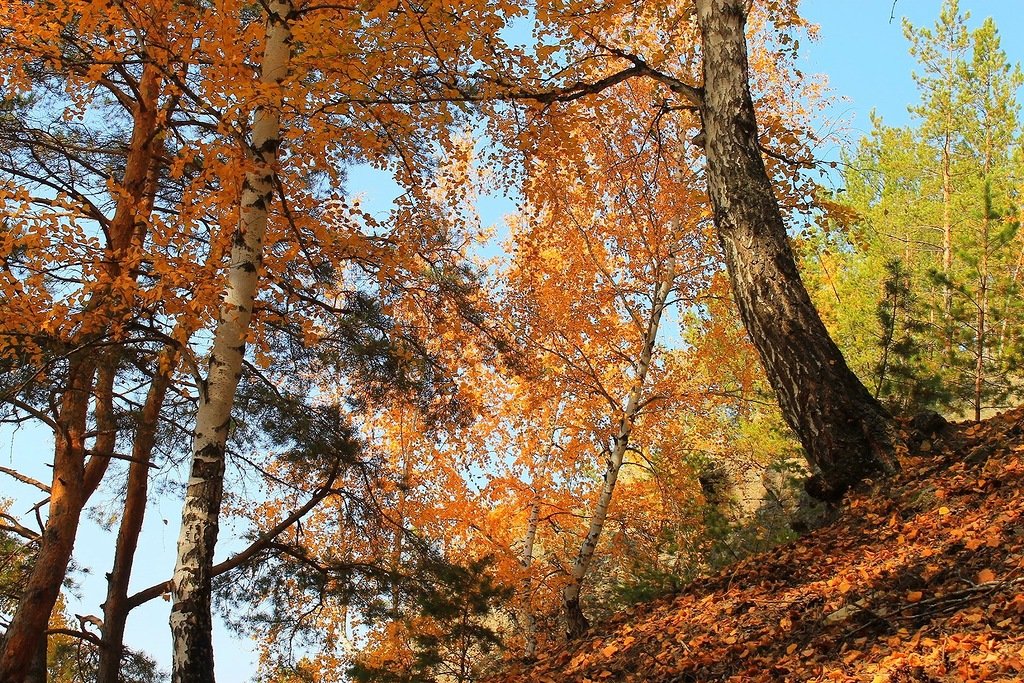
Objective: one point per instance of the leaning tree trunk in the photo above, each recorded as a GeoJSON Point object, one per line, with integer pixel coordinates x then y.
{"type": "Point", "coordinates": [845, 432]}
{"type": "Point", "coordinates": [576, 622]}
{"type": "Point", "coordinates": [191, 619]}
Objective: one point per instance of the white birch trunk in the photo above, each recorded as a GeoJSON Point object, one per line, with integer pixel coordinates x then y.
{"type": "Point", "coordinates": [576, 622]}
{"type": "Point", "coordinates": [529, 619]}
{"type": "Point", "coordinates": [191, 621]}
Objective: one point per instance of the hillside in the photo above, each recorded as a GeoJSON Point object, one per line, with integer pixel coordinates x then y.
{"type": "Point", "coordinates": [922, 580]}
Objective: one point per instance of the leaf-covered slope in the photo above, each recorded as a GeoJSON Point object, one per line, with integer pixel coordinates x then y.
{"type": "Point", "coordinates": [920, 581]}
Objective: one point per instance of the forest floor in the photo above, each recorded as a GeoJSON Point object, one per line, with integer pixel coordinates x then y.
{"type": "Point", "coordinates": [919, 579]}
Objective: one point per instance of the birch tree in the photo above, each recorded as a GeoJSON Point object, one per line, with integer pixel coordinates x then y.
{"type": "Point", "coordinates": [615, 238]}
{"type": "Point", "coordinates": [846, 434]}
{"type": "Point", "coordinates": [614, 454]}
{"type": "Point", "coordinates": [191, 619]}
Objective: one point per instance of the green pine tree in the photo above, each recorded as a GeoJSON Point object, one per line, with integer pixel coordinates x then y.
{"type": "Point", "coordinates": [940, 329]}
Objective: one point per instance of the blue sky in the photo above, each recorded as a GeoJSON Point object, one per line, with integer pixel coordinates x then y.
{"type": "Point", "coordinates": [864, 56]}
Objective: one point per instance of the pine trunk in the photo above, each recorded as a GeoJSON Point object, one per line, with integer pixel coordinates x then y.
{"type": "Point", "coordinates": [116, 607]}
{"type": "Point", "coordinates": [74, 480]}
{"type": "Point", "coordinates": [947, 239]}
{"type": "Point", "coordinates": [191, 619]}
{"type": "Point", "coordinates": [981, 331]}
{"type": "Point", "coordinates": [27, 631]}
{"type": "Point", "coordinates": [845, 432]}
{"type": "Point", "coordinates": [38, 670]}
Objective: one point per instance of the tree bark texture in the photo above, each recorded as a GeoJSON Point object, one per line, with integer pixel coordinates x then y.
{"type": "Point", "coordinates": [528, 617]}
{"type": "Point", "coordinates": [27, 631]}
{"type": "Point", "coordinates": [191, 619]}
{"type": "Point", "coordinates": [37, 670]}
{"type": "Point", "coordinates": [576, 622]}
{"type": "Point", "coordinates": [845, 432]}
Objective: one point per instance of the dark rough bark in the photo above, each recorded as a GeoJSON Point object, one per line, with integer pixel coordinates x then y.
{"type": "Point", "coordinates": [37, 671]}
{"type": "Point", "coordinates": [845, 432]}
{"type": "Point", "coordinates": [576, 622]}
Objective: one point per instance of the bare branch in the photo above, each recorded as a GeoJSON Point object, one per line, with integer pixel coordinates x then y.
{"type": "Point", "coordinates": [24, 479]}
{"type": "Point", "coordinates": [263, 541]}
{"type": "Point", "coordinates": [82, 635]}
{"type": "Point", "coordinates": [16, 527]}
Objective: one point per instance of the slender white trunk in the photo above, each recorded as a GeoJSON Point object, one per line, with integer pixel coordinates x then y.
{"type": "Point", "coordinates": [191, 621]}
{"type": "Point", "coordinates": [576, 622]}
{"type": "Point", "coordinates": [529, 618]}
{"type": "Point", "coordinates": [398, 545]}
